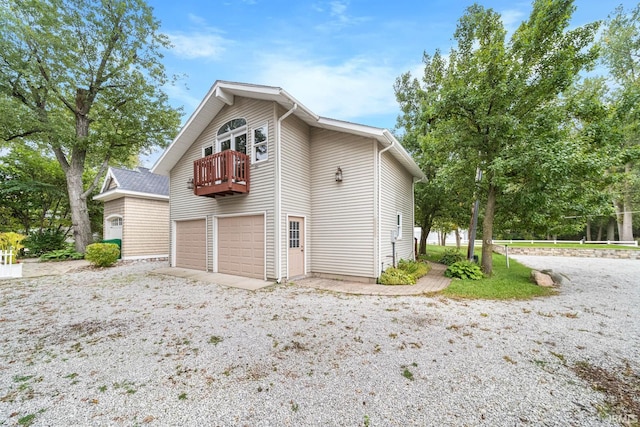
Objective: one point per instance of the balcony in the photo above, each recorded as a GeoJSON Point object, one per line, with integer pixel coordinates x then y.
{"type": "Point", "coordinates": [221, 174]}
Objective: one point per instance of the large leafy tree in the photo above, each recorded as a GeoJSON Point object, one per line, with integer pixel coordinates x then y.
{"type": "Point", "coordinates": [32, 192]}
{"type": "Point", "coordinates": [493, 103]}
{"type": "Point", "coordinates": [621, 54]}
{"type": "Point", "coordinates": [83, 79]}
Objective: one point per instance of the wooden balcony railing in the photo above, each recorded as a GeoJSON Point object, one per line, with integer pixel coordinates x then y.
{"type": "Point", "coordinates": [221, 174]}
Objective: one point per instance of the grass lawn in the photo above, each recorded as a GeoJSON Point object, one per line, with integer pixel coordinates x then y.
{"type": "Point", "coordinates": [506, 283]}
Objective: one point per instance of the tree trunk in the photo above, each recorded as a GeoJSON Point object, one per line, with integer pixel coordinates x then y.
{"type": "Point", "coordinates": [457, 238]}
{"type": "Point", "coordinates": [426, 229]}
{"type": "Point", "coordinates": [589, 230]}
{"type": "Point", "coordinates": [619, 207]}
{"type": "Point", "coordinates": [611, 230]}
{"type": "Point", "coordinates": [599, 238]}
{"type": "Point", "coordinates": [626, 234]}
{"type": "Point", "coordinates": [79, 212]}
{"type": "Point", "coordinates": [487, 231]}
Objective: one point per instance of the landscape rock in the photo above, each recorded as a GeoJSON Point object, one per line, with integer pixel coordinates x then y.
{"type": "Point", "coordinates": [558, 279]}
{"type": "Point", "coordinates": [541, 279]}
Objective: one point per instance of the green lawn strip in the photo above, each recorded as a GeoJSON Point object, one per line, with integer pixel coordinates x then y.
{"type": "Point", "coordinates": [506, 283]}
{"type": "Point", "coordinates": [568, 246]}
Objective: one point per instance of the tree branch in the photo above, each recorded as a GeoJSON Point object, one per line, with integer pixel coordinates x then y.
{"type": "Point", "coordinates": [98, 177]}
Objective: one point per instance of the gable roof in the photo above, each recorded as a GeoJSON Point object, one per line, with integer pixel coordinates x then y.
{"type": "Point", "coordinates": [223, 93]}
{"type": "Point", "coordinates": [139, 182]}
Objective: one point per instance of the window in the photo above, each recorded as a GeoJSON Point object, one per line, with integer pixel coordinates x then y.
{"type": "Point", "coordinates": [294, 234]}
{"type": "Point", "coordinates": [116, 222]}
{"type": "Point", "coordinates": [260, 144]}
{"type": "Point", "coordinates": [399, 226]}
{"type": "Point", "coordinates": [231, 136]}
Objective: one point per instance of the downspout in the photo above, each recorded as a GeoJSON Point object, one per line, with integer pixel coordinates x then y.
{"type": "Point", "coordinates": [278, 214]}
{"type": "Point", "coordinates": [379, 267]}
{"type": "Point", "coordinates": [413, 219]}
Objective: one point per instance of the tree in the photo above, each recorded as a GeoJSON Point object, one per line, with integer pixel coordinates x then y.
{"type": "Point", "coordinates": [438, 196]}
{"type": "Point", "coordinates": [83, 78]}
{"type": "Point", "coordinates": [32, 191]}
{"type": "Point", "coordinates": [497, 101]}
{"type": "Point", "coordinates": [621, 54]}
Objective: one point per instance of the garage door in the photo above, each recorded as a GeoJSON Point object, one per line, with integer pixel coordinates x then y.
{"type": "Point", "coordinates": [191, 244]}
{"type": "Point", "coordinates": [241, 246]}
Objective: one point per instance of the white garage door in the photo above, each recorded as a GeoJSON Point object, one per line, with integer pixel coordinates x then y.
{"type": "Point", "coordinates": [191, 244]}
{"type": "Point", "coordinates": [241, 246]}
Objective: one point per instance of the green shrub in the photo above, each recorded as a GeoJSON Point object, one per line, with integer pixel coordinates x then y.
{"type": "Point", "coordinates": [451, 256]}
{"type": "Point", "coordinates": [11, 242]}
{"type": "Point", "coordinates": [396, 276]}
{"type": "Point", "coordinates": [42, 241]}
{"type": "Point", "coordinates": [102, 254]}
{"type": "Point", "coordinates": [464, 270]}
{"type": "Point", "coordinates": [415, 268]}
{"type": "Point", "coordinates": [61, 255]}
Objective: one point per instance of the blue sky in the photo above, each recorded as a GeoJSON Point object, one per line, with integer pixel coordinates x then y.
{"type": "Point", "coordinates": [339, 58]}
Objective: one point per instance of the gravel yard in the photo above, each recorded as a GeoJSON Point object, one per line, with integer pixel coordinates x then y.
{"type": "Point", "coordinates": [123, 346]}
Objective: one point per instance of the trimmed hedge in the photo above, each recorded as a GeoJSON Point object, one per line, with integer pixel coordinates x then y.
{"type": "Point", "coordinates": [102, 254]}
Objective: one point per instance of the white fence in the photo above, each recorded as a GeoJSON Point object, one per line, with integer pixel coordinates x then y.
{"type": "Point", "coordinates": [556, 242]}
{"type": "Point", "coordinates": [7, 268]}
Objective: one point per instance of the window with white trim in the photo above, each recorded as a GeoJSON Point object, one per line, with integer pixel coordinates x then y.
{"type": "Point", "coordinates": [260, 143]}
{"type": "Point", "coordinates": [116, 222]}
{"type": "Point", "coordinates": [231, 136]}
{"type": "Point", "coordinates": [399, 226]}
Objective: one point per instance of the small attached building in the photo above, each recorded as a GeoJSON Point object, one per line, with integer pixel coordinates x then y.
{"type": "Point", "coordinates": [263, 187]}
{"type": "Point", "coordinates": [136, 211]}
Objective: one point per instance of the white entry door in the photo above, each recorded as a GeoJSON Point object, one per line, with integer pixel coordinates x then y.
{"type": "Point", "coordinates": [296, 247]}
{"type": "Point", "coordinates": [114, 228]}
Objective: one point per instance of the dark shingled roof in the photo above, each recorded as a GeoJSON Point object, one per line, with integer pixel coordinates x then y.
{"type": "Point", "coordinates": [141, 181]}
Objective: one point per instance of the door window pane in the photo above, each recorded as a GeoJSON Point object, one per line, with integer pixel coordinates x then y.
{"type": "Point", "coordinates": [294, 234]}
{"type": "Point", "coordinates": [241, 143]}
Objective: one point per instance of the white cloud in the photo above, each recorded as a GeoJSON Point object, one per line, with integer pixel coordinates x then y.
{"type": "Point", "coordinates": [339, 16]}
{"type": "Point", "coordinates": [511, 19]}
{"type": "Point", "coordinates": [198, 45]}
{"type": "Point", "coordinates": [180, 95]}
{"type": "Point", "coordinates": [201, 42]}
{"type": "Point", "coordinates": [350, 90]}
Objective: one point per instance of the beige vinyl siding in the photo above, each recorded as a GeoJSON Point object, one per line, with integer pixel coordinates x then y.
{"type": "Point", "coordinates": [261, 198]}
{"type": "Point", "coordinates": [397, 196]}
{"type": "Point", "coordinates": [145, 230]}
{"type": "Point", "coordinates": [296, 179]}
{"type": "Point", "coordinates": [342, 225]}
{"type": "Point", "coordinates": [113, 207]}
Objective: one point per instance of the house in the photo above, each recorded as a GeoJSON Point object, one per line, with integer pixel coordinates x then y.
{"type": "Point", "coordinates": [260, 186]}
{"type": "Point", "coordinates": [136, 210]}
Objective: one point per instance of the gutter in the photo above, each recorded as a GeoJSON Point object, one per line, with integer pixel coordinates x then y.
{"type": "Point", "coordinates": [379, 267]}
{"type": "Point", "coordinates": [278, 214]}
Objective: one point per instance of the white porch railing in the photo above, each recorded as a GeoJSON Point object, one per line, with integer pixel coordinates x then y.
{"type": "Point", "coordinates": [7, 268]}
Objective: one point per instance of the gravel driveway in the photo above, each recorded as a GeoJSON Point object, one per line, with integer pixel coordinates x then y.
{"type": "Point", "coordinates": [123, 346]}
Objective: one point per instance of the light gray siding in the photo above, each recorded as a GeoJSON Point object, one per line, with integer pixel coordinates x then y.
{"type": "Point", "coordinates": [342, 235]}
{"type": "Point", "coordinates": [261, 198]}
{"type": "Point", "coordinates": [296, 179]}
{"type": "Point", "coordinates": [397, 196]}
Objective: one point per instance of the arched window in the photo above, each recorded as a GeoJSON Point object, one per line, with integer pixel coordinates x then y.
{"type": "Point", "coordinates": [233, 136]}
